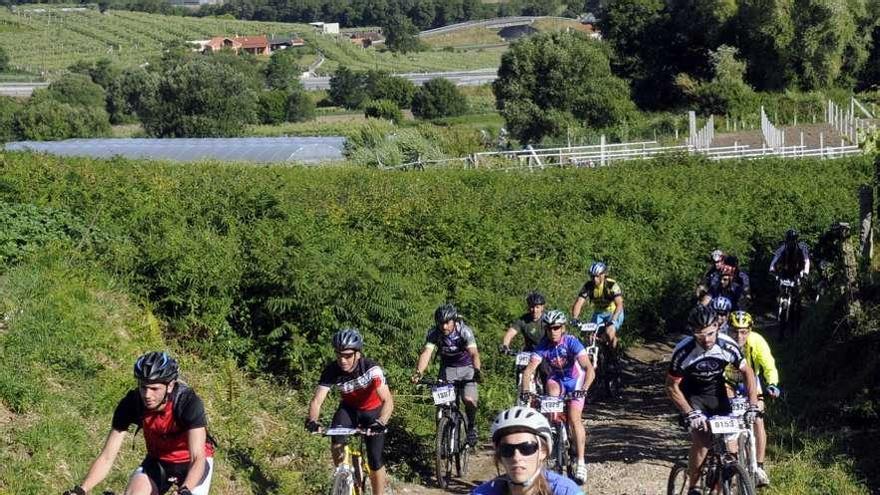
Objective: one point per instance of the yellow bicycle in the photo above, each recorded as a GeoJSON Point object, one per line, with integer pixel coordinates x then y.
{"type": "Point", "coordinates": [352, 475]}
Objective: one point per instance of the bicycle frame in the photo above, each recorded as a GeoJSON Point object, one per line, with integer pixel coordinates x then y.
{"type": "Point", "coordinates": [353, 459]}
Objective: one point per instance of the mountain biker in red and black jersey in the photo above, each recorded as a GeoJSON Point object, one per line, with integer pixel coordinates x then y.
{"type": "Point", "coordinates": [366, 401]}
{"type": "Point", "coordinates": [459, 359]}
{"type": "Point", "coordinates": [173, 419]}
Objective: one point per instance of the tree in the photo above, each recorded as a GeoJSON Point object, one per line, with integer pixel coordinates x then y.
{"type": "Point", "coordinates": [300, 106]}
{"type": "Point", "coordinates": [562, 76]}
{"type": "Point", "coordinates": [126, 93]}
{"type": "Point", "coordinates": [203, 97]}
{"type": "Point", "coordinates": [438, 98]}
{"type": "Point", "coordinates": [9, 108]}
{"type": "Point", "coordinates": [347, 88]}
{"type": "Point", "coordinates": [102, 72]}
{"type": "Point", "coordinates": [46, 119]}
{"type": "Point", "coordinates": [824, 30]}
{"type": "Point", "coordinates": [383, 109]}
{"type": "Point", "coordinates": [383, 86]}
{"type": "Point", "coordinates": [401, 35]}
{"type": "Point", "coordinates": [4, 60]}
{"type": "Point", "coordinates": [766, 30]}
{"type": "Point", "coordinates": [77, 89]}
{"type": "Point", "coordinates": [283, 69]}
{"type": "Point", "coordinates": [272, 106]}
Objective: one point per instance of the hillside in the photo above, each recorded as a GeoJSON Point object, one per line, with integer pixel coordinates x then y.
{"type": "Point", "coordinates": [246, 272]}
{"type": "Point", "coordinates": [50, 39]}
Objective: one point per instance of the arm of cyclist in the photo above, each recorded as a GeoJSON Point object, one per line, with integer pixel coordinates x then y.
{"type": "Point", "coordinates": [673, 391]}
{"type": "Point", "coordinates": [475, 355]}
{"type": "Point", "coordinates": [590, 372]}
{"type": "Point", "coordinates": [315, 407]}
{"type": "Point", "coordinates": [529, 373]}
{"type": "Point", "coordinates": [764, 361]}
{"type": "Point", "coordinates": [577, 307]}
{"type": "Point", "coordinates": [387, 404]}
{"type": "Point", "coordinates": [508, 338]}
{"type": "Point", "coordinates": [196, 438]}
{"type": "Point", "coordinates": [618, 308]}
{"type": "Point", "coordinates": [422, 363]}
{"type": "Point", "coordinates": [101, 467]}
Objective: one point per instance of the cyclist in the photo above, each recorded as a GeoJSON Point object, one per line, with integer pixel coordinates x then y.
{"type": "Point", "coordinates": [529, 324]}
{"type": "Point", "coordinates": [523, 441]}
{"type": "Point", "coordinates": [757, 354]}
{"type": "Point", "coordinates": [726, 286]}
{"type": "Point", "coordinates": [716, 260]}
{"type": "Point", "coordinates": [792, 258]}
{"type": "Point", "coordinates": [722, 307]}
{"type": "Point", "coordinates": [695, 383]}
{"type": "Point", "coordinates": [459, 359]}
{"type": "Point", "coordinates": [173, 419]}
{"type": "Point", "coordinates": [366, 402]}
{"type": "Point", "coordinates": [740, 277]}
{"type": "Point", "coordinates": [570, 371]}
{"type": "Point", "coordinates": [607, 299]}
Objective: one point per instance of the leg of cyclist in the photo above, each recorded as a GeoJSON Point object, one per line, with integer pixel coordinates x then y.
{"type": "Point", "coordinates": [700, 442]}
{"type": "Point", "coordinates": [147, 479]}
{"type": "Point", "coordinates": [760, 448]}
{"type": "Point", "coordinates": [141, 484]}
{"type": "Point", "coordinates": [343, 418]}
{"type": "Point", "coordinates": [375, 445]}
{"type": "Point", "coordinates": [469, 399]}
{"type": "Point", "coordinates": [575, 410]}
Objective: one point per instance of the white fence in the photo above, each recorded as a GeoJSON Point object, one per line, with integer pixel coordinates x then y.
{"type": "Point", "coordinates": [702, 139]}
{"type": "Point", "coordinates": [773, 137]}
{"type": "Point", "coordinates": [847, 123]}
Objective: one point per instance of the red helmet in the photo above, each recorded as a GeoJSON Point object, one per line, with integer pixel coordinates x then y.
{"type": "Point", "coordinates": [727, 270]}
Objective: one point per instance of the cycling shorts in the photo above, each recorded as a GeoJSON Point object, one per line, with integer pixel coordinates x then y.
{"type": "Point", "coordinates": [569, 384]}
{"type": "Point", "coordinates": [711, 404]}
{"type": "Point", "coordinates": [348, 417]}
{"type": "Point", "coordinates": [159, 473]}
{"type": "Point", "coordinates": [453, 373]}
{"type": "Point", "coordinates": [606, 317]}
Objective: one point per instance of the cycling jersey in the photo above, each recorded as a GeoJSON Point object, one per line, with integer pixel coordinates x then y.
{"type": "Point", "coordinates": [359, 388]}
{"type": "Point", "coordinates": [165, 430]}
{"type": "Point", "coordinates": [559, 485]}
{"type": "Point", "coordinates": [562, 358]}
{"type": "Point", "coordinates": [791, 262]}
{"type": "Point", "coordinates": [734, 291]}
{"type": "Point", "coordinates": [531, 330]}
{"type": "Point", "coordinates": [601, 296]}
{"type": "Point", "coordinates": [701, 371]}
{"type": "Point", "coordinates": [453, 348]}
{"type": "Point", "coordinates": [757, 354]}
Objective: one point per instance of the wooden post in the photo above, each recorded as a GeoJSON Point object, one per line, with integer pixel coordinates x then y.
{"type": "Point", "coordinates": [850, 271]}
{"type": "Point", "coordinates": [866, 234]}
{"type": "Point", "coordinates": [602, 150]}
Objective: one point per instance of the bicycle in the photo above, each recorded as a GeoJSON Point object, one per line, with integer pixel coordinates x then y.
{"type": "Point", "coordinates": [352, 475]}
{"type": "Point", "coordinates": [746, 447]}
{"type": "Point", "coordinates": [452, 450]}
{"type": "Point", "coordinates": [721, 473]}
{"type": "Point", "coordinates": [607, 374]}
{"type": "Point", "coordinates": [788, 305]}
{"type": "Point", "coordinates": [522, 359]}
{"type": "Point", "coordinates": [564, 455]}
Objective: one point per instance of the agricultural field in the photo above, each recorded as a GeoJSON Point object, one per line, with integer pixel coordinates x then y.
{"type": "Point", "coordinates": [48, 40]}
{"type": "Point", "coordinates": [480, 35]}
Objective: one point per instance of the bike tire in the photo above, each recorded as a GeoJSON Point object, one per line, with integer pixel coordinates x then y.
{"type": "Point", "coordinates": [362, 480]}
{"type": "Point", "coordinates": [442, 458]}
{"type": "Point", "coordinates": [677, 483]}
{"type": "Point", "coordinates": [462, 453]}
{"type": "Point", "coordinates": [561, 452]}
{"type": "Point", "coordinates": [343, 483]}
{"type": "Point", "coordinates": [735, 481]}
{"type": "Point", "coordinates": [745, 457]}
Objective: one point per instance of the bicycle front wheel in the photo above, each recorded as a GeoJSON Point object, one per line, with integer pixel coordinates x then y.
{"type": "Point", "coordinates": [678, 480]}
{"type": "Point", "coordinates": [442, 457]}
{"type": "Point", "coordinates": [361, 478]}
{"type": "Point", "coordinates": [343, 483]}
{"type": "Point", "coordinates": [735, 481]}
{"type": "Point", "coordinates": [462, 452]}
{"type": "Point", "coordinates": [561, 446]}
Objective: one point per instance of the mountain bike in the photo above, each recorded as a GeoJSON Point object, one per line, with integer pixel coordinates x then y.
{"type": "Point", "coordinates": [788, 305]}
{"type": "Point", "coordinates": [746, 447]}
{"type": "Point", "coordinates": [600, 354]}
{"type": "Point", "coordinates": [452, 449]}
{"type": "Point", "coordinates": [564, 455]}
{"type": "Point", "coordinates": [721, 473]}
{"type": "Point", "coordinates": [352, 475]}
{"type": "Point", "coordinates": [522, 359]}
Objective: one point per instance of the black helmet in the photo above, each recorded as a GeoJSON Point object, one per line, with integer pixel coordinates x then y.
{"type": "Point", "coordinates": [348, 338]}
{"type": "Point", "coordinates": [535, 298]}
{"type": "Point", "coordinates": [156, 367]}
{"type": "Point", "coordinates": [700, 317]}
{"type": "Point", "coordinates": [445, 313]}
{"type": "Point", "coordinates": [791, 235]}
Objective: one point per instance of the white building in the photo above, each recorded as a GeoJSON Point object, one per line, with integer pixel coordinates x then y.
{"type": "Point", "coordinates": [326, 27]}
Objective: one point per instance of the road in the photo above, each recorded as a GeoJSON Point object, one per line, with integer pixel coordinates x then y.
{"type": "Point", "coordinates": [20, 89]}
{"type": "Point", "coordinates": [462, 78]}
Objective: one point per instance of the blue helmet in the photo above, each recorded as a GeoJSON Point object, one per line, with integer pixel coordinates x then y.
{"type": "Point", "coordinates": [598, 268]}
{"type": "Point", "coordinates": [722, 304]}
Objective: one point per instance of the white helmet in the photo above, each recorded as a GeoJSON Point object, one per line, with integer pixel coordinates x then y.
{"type": "Point", "coordinates": [522, 419]}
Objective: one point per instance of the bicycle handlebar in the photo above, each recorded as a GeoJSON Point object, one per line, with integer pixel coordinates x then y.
{"type": "Point", "coordinates": [432, 383]}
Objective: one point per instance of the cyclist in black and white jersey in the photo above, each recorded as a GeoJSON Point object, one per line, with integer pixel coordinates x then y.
{"type": "Point", "coordinates": [695, 382]}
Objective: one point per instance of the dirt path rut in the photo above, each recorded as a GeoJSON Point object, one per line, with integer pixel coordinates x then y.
{"type": "Point", "coordinates": [632, 442]}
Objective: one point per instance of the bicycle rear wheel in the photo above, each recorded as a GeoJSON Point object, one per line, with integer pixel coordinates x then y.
{"type": "Point", "coordinates": [343, 483]}
{"type": "Point", "coordinates": [677, 484]}
{"type": "Point", "coordinates": [735, 481]}
{"type": "Point", "coordinates": [462, 452]}
{"type": "Point", "coordinates": [442, 457]}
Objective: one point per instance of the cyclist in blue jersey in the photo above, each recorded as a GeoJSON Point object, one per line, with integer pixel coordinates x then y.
{"type": "Point", "coordinates": [570, 370]}
{"type": "Point", "coordinates": [459, 359]}
{"type": "Point", "coordinates": [523, 441]}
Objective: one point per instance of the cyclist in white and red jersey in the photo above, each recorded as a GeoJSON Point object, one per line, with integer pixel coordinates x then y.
{"type": "Point", "coordinates": [173, 419]}
{"type": "Point", "coordinates": [366, 402]}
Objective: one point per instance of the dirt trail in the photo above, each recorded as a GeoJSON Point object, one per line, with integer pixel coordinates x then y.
{"type": "Point", "coordinates": [632, 442]}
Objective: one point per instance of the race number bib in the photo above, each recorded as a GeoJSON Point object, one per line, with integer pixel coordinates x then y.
{"type": "Point", "coordinates": [551, 405]}
{"type": "Point", "coordinates": [786, 283]}
{"type": "Point", "coordinates": [723, 424]}
{"type": "Point", "coordinates": [523, 358]}
{"type": "Point", "coordinates": [443, 394]}
{"type": "Point", "coordinates": [739, 406]}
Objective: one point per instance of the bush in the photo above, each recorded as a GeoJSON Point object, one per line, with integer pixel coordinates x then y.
{"type": "Point", "coordinates": [384, 86]}
{"type": "Point", "coordinates": [347, 88]}
{"type": "Point", "coordinates": [4, 60]}
{"type": "Point", "coordinates": [272, 106]}
{"type": "Point", "coordinates": [383, 109]}
{"type": "Point", "coordinates": [47, 119]}
{"type": "Point", "coordinates": [438, 98]}
{"type": "Point", "coordinates": [9, 107]}
{"type": "Point", "coordinates": [300, 106]}
{"type": "Point", "coordinates": [283, 69]}
{"type": "Point", "coordinates": [127, 93]}
{"type": "Point", "coordinates": [77, 89]}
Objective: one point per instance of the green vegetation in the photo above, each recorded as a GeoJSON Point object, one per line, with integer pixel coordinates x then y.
{"type": "Point", "coordinates": [438, 98]}
{"type": "Point", "coordinates": [250, 269]}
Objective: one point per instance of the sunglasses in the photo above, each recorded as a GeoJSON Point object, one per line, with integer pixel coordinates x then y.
{"type": "Point", "coordinates": [556, 327]}
{"type": "Point", "coordinates": [346, 355]}
{"type": "Point", "coordinates": [526, 448]}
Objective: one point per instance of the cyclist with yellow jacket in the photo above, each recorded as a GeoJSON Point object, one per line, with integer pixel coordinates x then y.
{"type": "Point", "coordinates": [757, 354]}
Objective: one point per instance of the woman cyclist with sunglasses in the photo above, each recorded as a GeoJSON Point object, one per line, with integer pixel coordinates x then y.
{"type": "Point", "coordinates": [523, 442]}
